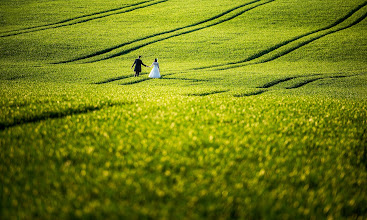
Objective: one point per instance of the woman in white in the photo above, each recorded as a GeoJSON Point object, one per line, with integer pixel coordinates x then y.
{"type": "Point", "coordinates": [155, 71]}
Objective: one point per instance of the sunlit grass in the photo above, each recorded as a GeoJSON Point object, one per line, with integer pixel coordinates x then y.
{"type": "Point", "coordinates": [284, 139]}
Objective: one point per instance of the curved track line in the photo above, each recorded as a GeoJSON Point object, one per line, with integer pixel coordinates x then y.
{"type": "Point", "coordinates": [126, 77]}
{"type": "Point", "coordinates": [295, 86]}
{"type": "Point", "coordinates": [303, 83]}
{"type": "Point", "coordinates": [179, 34]}
{"type": "Point", "coordinates": [153, 35]}
{"type": "Point", "coordinates": [300, 84]}
{"type": "Point", "coordinates": [102, 52]}
{"type": "Point", "coordinates": [250, 94]}
{"type": "Point", "coordinates": [313, 39]}
{"type": "Point", "coordinates": [274, 48]}
{"type": "Point", "coordinates": [188, 79]}
{"type": "Point", "coordinates": [112, 80]}
{"type": "Point", "coordinates": [135, 81]}
{"type": "Point", "coordinates": [277, 81]}
{"type": "Point", "coordinates": [54, 115]}
{"type": "Point", "coordinates": [75, 18]}
{"type": "Point", "coordinates": [207, 93]}
{"type": "Point", "coordinates": [90, 17]}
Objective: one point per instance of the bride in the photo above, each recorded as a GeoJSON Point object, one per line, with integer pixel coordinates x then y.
{"type": "Point", "coordinates": [155, 71]}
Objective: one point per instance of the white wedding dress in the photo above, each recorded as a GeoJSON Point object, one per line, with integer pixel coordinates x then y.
{"type": "Point", "coordinates": [155, 71]}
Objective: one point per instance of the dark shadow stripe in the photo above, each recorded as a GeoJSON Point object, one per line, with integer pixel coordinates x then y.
{"type": "Point", "coordinates": [207, 93]}
{"type": "Point", "coordinates": [135, 81]}
{"type": "Point", "coordinates": [153, 35]}
{"type": "Point", "coordinates": [17, 77]}
{"type": "Point", "coordinates": [112, 79]}
{"type": "Point", "coordinates": [300, 84]}
{"type": "Point", "coordinates": [275, 82]}
{"type": "Point", "coordinates": [85, 20]}
{"type": "Point", "coordinates": [188, 79]}
{"type": "Point", "coordinates": [271, 49]}
{"type": "Point", "coordinates": [53, 115]}
{"type": "Point", "coordinates": [250, 94]}
{"type": "Point", "coordinates": [126, 77]}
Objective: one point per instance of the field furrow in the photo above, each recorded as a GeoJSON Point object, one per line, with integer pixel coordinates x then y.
{"type": "Point", "coordinates": [281, 49]}
{"type": "Point", "coordinates": [84, 18]}
{"type": "Point", "coordinates": [218, 19]}
{"type": "Point", "coordinates": [51, 115]}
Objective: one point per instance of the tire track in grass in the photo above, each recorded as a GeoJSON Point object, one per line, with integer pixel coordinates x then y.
{"type": "Point", "coordinates": [250, 94]}
{"type": "Point", "coordinates": [135, 81]}
{"type": "Point", "coordinates": [218, 19]}
{"type": "Point", "coordinates": [295, 86]}
{"type": "Point", "coordinates": [305, 82]}
{"type": "Point", "coordinates": [277, 81]}
{"type": "Point", "coordinates": [311, 40]}
{"type": "Point", "coordinates": [188, 79]}
{"type": "Point", "coordinates": [293, 48]}
{"type": "Point", "coordinates": [207, 93]}
{"type": "Point", "coordinates": [183, 33]}
{"type": "Point", "coordinates": [75, 18]}
{"type": "Point", "coordinates": [54, 115]}
{"type": "Point", "coordinates": [117, 78]}
{"type": "Point", "coordinates": [84, 18]}
{"type": "Point", "coordinates": [127, 77]}
{"type": "Point", "coordinates": [112, 80]}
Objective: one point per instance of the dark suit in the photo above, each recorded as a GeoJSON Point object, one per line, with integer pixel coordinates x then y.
{"type": "Point", "coordinates": [138, 64]}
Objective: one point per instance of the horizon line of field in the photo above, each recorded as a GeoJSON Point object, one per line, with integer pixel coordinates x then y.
{"type": "Point", "coordinates": [82, 18]}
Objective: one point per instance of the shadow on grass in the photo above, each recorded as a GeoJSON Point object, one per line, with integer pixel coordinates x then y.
{"type": "Point", "coordinates": [188, 79]}
{"type": "Point", "coordinates": [249, 94]}
{"type": "Point", "coordinates": [135, 81]}
{"type": "Point", "coordinates": [207, 93]}
{"type": "Point", "coordinates": [275, 82]}
{"type": "Point", "coordinates": [305, 82]}
{"type": "Point", "coordinates": [54, 115]}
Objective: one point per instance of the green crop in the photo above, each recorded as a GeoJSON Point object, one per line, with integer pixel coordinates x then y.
{"type": "Point", "coordinates": [261, 111]}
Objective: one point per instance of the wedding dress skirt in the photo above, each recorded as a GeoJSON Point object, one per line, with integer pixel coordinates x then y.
{"type": "Point", "coordinates": [155, 71]}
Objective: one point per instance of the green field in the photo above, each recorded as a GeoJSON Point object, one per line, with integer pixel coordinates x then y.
{"type": "Point", "coordinates": [261, 111]}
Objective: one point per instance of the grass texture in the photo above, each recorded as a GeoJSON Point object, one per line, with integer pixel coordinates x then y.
{"type": "Point", "coordinates": [261, 111]}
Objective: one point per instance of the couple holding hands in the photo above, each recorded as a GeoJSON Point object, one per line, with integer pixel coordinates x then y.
{"type": "Point", "coordinates": [155, 73]}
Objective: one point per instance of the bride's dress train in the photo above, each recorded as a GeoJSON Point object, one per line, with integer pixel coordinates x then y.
{"type": "Point", "coordinates": [155, 71]}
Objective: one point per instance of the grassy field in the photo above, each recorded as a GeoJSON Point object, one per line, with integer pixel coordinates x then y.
{"type": "Point", "coordinates": [261, 111]}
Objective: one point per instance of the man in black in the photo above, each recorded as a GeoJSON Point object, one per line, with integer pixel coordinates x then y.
{"type": "Point", "coordinates": [138, 64]}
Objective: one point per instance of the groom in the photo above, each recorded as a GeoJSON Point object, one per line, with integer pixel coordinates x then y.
{"type": "Point", "coordinates": [138, 64]}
